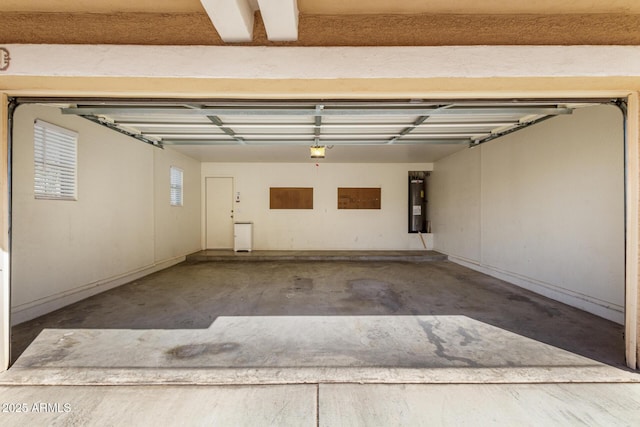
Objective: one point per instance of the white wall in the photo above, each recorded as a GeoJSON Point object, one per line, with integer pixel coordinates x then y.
{"type": "Point", "coordinates": [177, 228]}
{"type": "Point", "coordinates": [454, 204]}
{"type": "Point", "coordinates": [120, 228]}
{"type": "Point", "coordinates": [542, 208]}
{"type": "Point", "coordinates": [325, 227]}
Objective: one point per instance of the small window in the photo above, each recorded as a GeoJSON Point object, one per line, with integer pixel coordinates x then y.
{"type": "Point", "coordinates": [176, 186]}
{"type": "Point", "coordinates": [55, 161]}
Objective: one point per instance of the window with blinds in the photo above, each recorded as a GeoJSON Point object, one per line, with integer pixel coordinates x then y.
{"type": "Point", "coordinates": [176, 186]}
{"type": "Point", "coordinates": [55, 161]}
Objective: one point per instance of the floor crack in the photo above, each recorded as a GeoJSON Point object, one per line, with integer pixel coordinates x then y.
{"type": "Point", "coordinates": [440, 350]}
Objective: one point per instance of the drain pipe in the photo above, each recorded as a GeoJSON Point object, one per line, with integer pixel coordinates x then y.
{"type": "Point", "coordinates": [422, 240]}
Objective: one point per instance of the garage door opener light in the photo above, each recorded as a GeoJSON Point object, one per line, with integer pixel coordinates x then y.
{"type": "Point", "coordinates": [317, 151]}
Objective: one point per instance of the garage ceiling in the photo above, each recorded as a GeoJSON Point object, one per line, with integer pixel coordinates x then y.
{"type": "Point", "coordinates": [354, 131]}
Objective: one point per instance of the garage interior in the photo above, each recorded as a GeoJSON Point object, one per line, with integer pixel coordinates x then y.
{"type": "Point", "coordinates": [528, 222]}
{"type": "Point", "coordinates": [516, 274]}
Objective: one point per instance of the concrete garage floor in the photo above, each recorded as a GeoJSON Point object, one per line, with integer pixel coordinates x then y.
{"type": "Point", "coordinates": [322, 343]}
{"type": "Point", "coordinates": [193, 295]}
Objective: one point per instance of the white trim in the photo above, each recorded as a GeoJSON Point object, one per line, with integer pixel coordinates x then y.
{"type": "Point", "coordinates": [5, 309]}
{"type": "Point", "coordinates": [632, 229]}
{"type": "Point", "coordinates": [609, 311]}
{"type": "Point", "coordinates": [33, 309]}
{"type": "Point", "coordinates": [236, 62]}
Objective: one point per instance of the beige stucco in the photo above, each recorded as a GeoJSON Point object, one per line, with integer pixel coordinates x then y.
{"type": "Point", "coordinates": [316, 88]}
{"type": "Point", "coordinates": [339, 6]}
{"type": "Point", "coordinates": [467, 6]}
{"type": "Point", "coordinates": [113, 6]}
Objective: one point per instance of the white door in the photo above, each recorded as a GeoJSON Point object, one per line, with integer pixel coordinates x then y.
{"type": "Point", "coordinates": [219, 213]}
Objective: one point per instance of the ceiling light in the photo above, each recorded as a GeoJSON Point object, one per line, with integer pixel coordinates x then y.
{"type": "Point", "coordinates": [317, 151]}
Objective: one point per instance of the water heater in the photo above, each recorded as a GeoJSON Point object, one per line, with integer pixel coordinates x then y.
{"type": "Point", "coordinates": [417, 202]}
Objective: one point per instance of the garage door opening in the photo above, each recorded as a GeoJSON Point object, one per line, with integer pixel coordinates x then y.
{"type": "Point", "coordinates": [530, 192]}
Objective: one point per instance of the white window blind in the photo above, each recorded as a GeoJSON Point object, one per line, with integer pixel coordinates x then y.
{"type": "Point", "coordinates": [55, 161]}
{"type": "Point", "coordinates": [176, 186]}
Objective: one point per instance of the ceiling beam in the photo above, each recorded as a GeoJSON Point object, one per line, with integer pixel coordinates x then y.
{"type": "Point", "coordinates": [280, 19]}
{"type": "Point", "coordinates": [233, 19]}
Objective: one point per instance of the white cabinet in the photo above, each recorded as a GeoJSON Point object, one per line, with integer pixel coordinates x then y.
{"type": "Point", "coordinates": [242, 236]}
